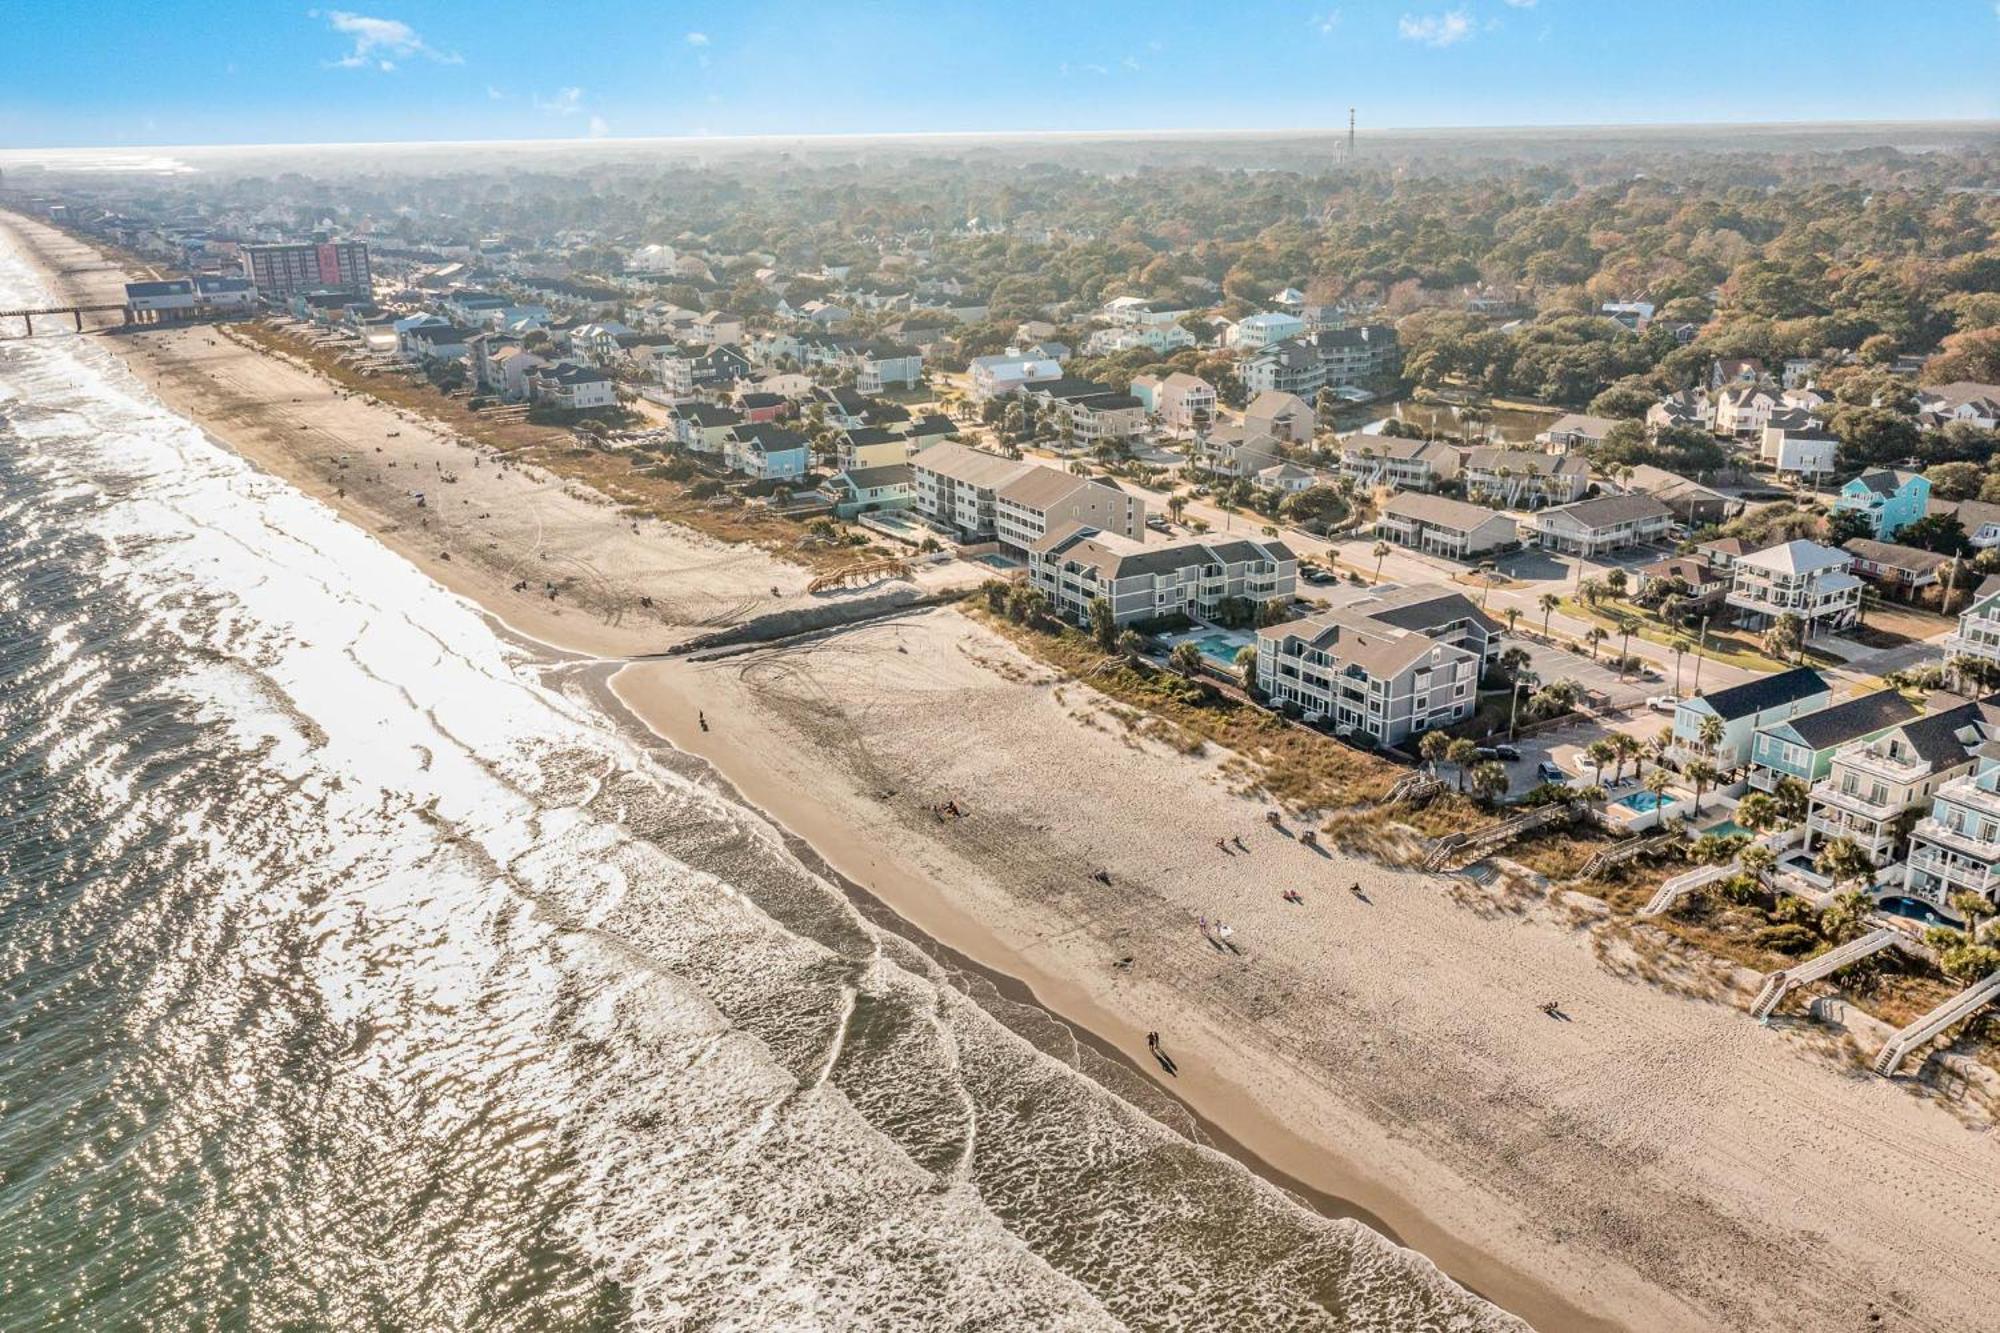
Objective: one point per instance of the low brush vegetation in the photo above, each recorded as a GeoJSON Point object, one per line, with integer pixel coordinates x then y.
{"type": "Point", "coordinates": [1291, 764]}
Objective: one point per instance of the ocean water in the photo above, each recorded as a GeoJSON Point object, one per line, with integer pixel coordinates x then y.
{"type": "Point", "coordinates": [357, 973]}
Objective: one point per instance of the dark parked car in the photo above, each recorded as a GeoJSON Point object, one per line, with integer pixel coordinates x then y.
{"type": "Point", "coordinates": [1505, 753]}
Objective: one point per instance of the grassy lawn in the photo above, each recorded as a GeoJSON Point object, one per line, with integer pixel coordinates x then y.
{"type": "Point", "coordinates": [1729, 647]}
{"type": "Point", "coordinates": [1294, 765]}
{"type": "Point", "coordinates": [615, 474]}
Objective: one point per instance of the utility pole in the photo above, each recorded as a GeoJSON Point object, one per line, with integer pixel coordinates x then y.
{"type": "Point", "coordinates": [1350, 136]}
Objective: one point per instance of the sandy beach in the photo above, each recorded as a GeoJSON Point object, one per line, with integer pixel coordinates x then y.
{"type": "Point", "coordinates": [1657, 1162]}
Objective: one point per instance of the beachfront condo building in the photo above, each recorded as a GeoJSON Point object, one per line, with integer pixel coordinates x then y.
{"type": "Point", "coordinates": [1367, 679]}
{"type": "Point", "coordinates": [958, 489]}
{"type": "Point", "coordinates": [1044, 500]}
{"type": "Point", "coordinates": [1802, 747]}
{"type": "Point", "coordinates": [278, 271]}
{"type": "Point", "coordinates": [1591, 527]}
{"type": "Point", "coordinates": [1193, 577]}
{"type": "Point", "coordinates": [1403, 465]}
{"type": "Point", "coordinates": [1525, 478]}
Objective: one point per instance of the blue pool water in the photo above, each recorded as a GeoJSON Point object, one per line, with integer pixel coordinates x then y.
{"type": "Point", "coordinates": [1641, 801]}
{"type": "Point", "coordinates": [1728, 828]}
{"type": "Point", "coordinates": [1916, 910]}
{"type": "Point", "coordinates": [1221, 647]}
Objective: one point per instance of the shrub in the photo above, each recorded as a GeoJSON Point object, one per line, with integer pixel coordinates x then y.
{"type": "Point", "coordinates": [1790, 938]}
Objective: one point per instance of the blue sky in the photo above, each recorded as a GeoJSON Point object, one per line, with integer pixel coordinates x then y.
{"type": "Point", "coordinates": [263, 71]}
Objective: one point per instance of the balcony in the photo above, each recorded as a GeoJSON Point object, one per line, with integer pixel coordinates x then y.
{"type": "Point", "coordinates": [1954, 872]}
{"type": "Point", "coordinates": [1968, 845]}
{"type": "Point", "coordinates": [1873, 836]}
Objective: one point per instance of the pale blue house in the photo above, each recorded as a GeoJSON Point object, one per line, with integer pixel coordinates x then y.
{"type": "Point", "coordinates": [1891, 500]}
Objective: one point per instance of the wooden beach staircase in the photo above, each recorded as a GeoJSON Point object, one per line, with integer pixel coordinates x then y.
{"type": "Point", "coordinates": [891, 567]}
{"type": "Point", "coordinates": [1681, 885]}
{"type": "Point", "coordinates": [1464, 848]}
{"type": "Point", "coordinates": [1955, 1010]}
{"type": "Point", "coordinates": [1782, 982]}
{"type": "Point", "coordinates": [1414, 789]}
{"type": "Point", "coordinates": [1619, 853]}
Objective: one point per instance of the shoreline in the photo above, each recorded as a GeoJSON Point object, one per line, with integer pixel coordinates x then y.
{"type": "Point", "coordinates": [1344, 1148]}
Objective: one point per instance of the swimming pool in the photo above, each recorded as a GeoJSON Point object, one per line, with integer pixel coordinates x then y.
{"type": "Point", "coordinates": [1914, 909]}
{"type": "Point", "coordinates": [1642, 801]}
{"type": "Point", "coordinates": [1221, 646]}
{"type": "Point", "coordinates": [1728, 828]}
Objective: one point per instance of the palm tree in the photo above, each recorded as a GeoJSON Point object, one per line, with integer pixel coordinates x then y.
{"type": "Point", "coordinates": [1548, 601]}
{"type": "Point", "coordinates": [1460, 754]}
{"type": "Point", "coordinates": [1381, 550]}
{"type": "Point", "coordinates": [1709, 733]}
{"type": "Point", "coordinates": [1972, 906]}
{"type": "Point", "coordinates": [1186, 659]}
{"type": "Point", "coordinates": [1628, 747]}
{"type": "Point", "coordinates": [1513, 614]}
{"type": "Point", "coordinates": [1589, 590]}
{"type": "Point", "coordinates": [1599, 753]}
{"type": "Point", "coordinates": [1176, 506]}
{"type": "Point", "coordinates": [1700, 648]}
{"type": "Point", "coordinates": [1433, 748]}
{"type": "Point", "coordinates": [1702, 774]}
{"type": "Point", "coordinates": [1680, 645]}
{"type": "Point", "coordinates": [1616, 582]}
{"type": "Point", "coordinates": [1758, 812]}
{"type": "Point", "coordinates": [1489, 780]}
{"type": "Point", "coordinates": [1523, 679]}
{"type": "Point", "coordinates": [1246, 663]}
{"type": "Point", "coordinates": [1842, 861]}
{"type": "Point", "coordinates": [1131, 646]}
{"type": "Point", "coordinates": [1756, 860]}
{"type": "Point", "coordinates": [1785, 637]}
{"type": "Point", "coordinates": [1657, 783]}
{"type": "Point", "coordinates": [1103, 623]}
{"type": "Point", "coordinates": [1626, 624]}
{"type": "Point", "coordinates": [1595, 636]}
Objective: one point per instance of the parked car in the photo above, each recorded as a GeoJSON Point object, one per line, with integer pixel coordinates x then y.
{"type": "Point", "coordinates": [1662, 703]}
{"type": "Point", "coordinates": [1548, 772]}
{"type": "Point", "coordinates": [1504, 753]}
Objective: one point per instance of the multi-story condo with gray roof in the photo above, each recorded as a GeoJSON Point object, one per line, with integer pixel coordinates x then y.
{"type": "Point", "coordinates": [1044, 500]}
{"type": "Point", "coordinates": [1606, 523]}
{"type": "Point", "coordinates": [1389, 460]}
{"type": "Point", "coordinates": [1525, 478]}
{"type": "Point", "coordinates": [1369, 679]}
{"type": "Point", "coordinates": [1442, 526]}
{"type": "Point", "coordinates": [1193, 577]}
{"type": "Point", "coordinates": [958, 488]}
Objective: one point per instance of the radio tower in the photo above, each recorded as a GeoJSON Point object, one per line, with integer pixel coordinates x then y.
{"type": "Point", "coordinates": [1350, 135]}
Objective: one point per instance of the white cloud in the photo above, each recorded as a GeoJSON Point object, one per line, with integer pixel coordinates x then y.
{"type": "Point", "coordinates": [380, 42]}
{"type": "Point", "coordinates": [1444, 29]}
{"type": "Point", "coordinates": [1129, 62]}
{"type": "Point", "coordinates": [1324, 23]}
{"type": "Point", "coordinates": [567, 102]}
{"type": "Point", "coordinates": [696, 39]}
{"type": "Point", "coordinates": [494, 94]}
{"type": "Point", "coordinates": [599, 127]}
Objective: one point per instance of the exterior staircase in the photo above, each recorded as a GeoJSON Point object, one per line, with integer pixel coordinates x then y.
{"type": "Point", "coordinates": [1674, 889]}
{"type": "Point", "coordinates": [1620, 853]}
{"type": "Point", "coordinates": [1781, 983]}
{"type": "Point", "coordinates": [1955, 1010]}
{"type": "Point", "coordinates": [1467, 847]}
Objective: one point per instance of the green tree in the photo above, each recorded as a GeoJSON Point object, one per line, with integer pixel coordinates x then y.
{"type": "Point", "coordinates": [1186, 659]}
{"type": "Point", "coordinates": [1548, 601]}
{"type": "Point", "coordinates": [1489, 781]}
{"type": "Point", "coordinates": [1380, 553]}
{"type": "Point", "coordinates": [1703, 775]}
{"type": "Point", "coordinates": [1460, 753]}
{"type": "Point", "coordinates": [1599, 753]}
{"type": "Point", "coordinates": [1785, 637]}
{"type": "Point", "coordinates": [1103, 623]}
{"type": "Point", "coordinates": [1131, 646]}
